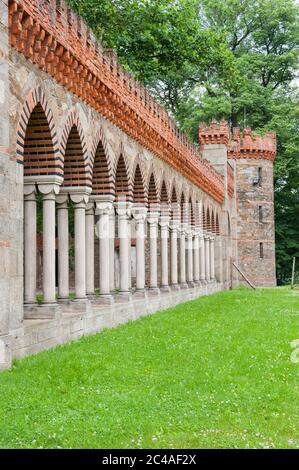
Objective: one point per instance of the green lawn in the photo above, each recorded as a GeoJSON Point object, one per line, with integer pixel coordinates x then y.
{"type": "Point", "coordinates": [215, 372]}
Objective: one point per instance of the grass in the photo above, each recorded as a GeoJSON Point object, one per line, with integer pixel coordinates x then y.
{"type": "Point", "coordinates": [214, 372]}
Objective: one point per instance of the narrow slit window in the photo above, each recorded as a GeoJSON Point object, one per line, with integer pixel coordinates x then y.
{"type": "Point", "coordinates": [261, 250]}
{"type": "Point", "coordinates": [260, 214]}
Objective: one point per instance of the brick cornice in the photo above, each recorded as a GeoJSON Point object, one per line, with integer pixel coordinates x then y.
{"type": "Point", "coordinates": [57, 41]}
{"type": "Point", "coordinates": [245, 145]}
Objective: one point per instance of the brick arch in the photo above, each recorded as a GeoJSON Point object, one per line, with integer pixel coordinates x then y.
{"type": "Point", "coordinates": [217, 225]}
{"type": "Point", "coordinates": [139, 189]}
{"type": "Point", "coordinates": [208, 220]}
{"type": "Point", "coordinates": [37, 144]}
{"type": "Point", "coordinates": [213, 222]}
{"type": "Point", "coordinates": [77, 167]}
{"type": "Point", "coordinates": [102, 175]}
{"type": "Point", "coordinates": [122, 180]}
{"type": "Point", "coordinates": [203, 218]}
{"type": "Point", "coordinates": [191, 212]}
{"type": "Point", "coordinates": [164, 195]}
{"type": "Point", "coordinates": [152, 191]}
{"type": "Point", "coordinates": [183, 206]}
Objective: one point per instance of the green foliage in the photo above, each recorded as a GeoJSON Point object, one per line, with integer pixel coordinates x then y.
{"type": "Point", "coordinates": [206, 59]}
{"type": "Point", "coordinates": [188, 377]}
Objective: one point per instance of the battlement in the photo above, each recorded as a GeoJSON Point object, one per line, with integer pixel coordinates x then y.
{"type": "Point", "coordinates": [246, 145]}
{"type": "Point", "coordinates": [215, 133]}
{"type": "Point", "coordinates": [241, 144]}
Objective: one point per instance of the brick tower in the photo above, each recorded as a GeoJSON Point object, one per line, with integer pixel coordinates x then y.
{"type": "Point", "coordinates": [246, 162]}
{"type": "Point", "coordinates": [252, 158]}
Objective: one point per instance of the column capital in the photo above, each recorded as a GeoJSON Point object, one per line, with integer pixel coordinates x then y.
{"type": "Point", "coordinates": [174, 226]}
{"type": "Point", "coordinates": [103, 207]}
{"type": "Point", "coordinates": [49, 191]}
{"type": "Point", "coordinates": [164, 221]}
{"type": "Point", "coordinates": [90, 208]}
{"type": "Point", "coordinates": [77, 194]}
{"type": "Point", "coordinates": [153, 218]}
{"type": "Point", "coordinates": [139, 214]}
{"type": "Point", "coordinates": [29, 191]}
{"type": "Point", "coordinates": [123, 208]}
{"type": "Point", "coordinates": [62, 200]}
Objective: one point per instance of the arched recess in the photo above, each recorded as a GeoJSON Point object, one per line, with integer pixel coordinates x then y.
{"type": "Point", "coordinates": [152, 193]}
{"type": "Point", "coordinates": [139, 191]}
{"type": "Point", "coordinates": [175, 210]}
{"type": "Point", "coordinates": [77, 168]}
{"type": "Point", "coordinates": [191, 213]}
{"type": "Point", "coordinates": [184, 213]}
{"type": "Point", "coordinates": [37, 144]}
{"type": "Point", "coordinates": [213, 223]}
{"type": "Point", "coordinates": [204, 227]}
{"type": "Point", "coordinates": [102, 179]}
{"type": "Point", "coordinates": [164, 198]}
{"type": "Point", "coordinates": [208, 220]}
{"type": "Point", "coordinates": [122, 183]}
{"type": "Point", "coordinates": [217, 225]}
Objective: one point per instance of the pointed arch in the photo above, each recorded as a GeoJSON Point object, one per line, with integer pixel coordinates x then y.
{"type": "Point", "coordinates": [208, 220]}
{"type": "Point", "coordinates": [184, 214]}
{"type": "Point", "coordinates": [217, 225]}
{"type": "Point", "coordinates": [77, 168]}
{"type": "Point", "coordinates": [139, 192]}
{"type": "Point", "coordinates": [152, 192]}
{"type": "Point", "coordinates": [121, 179]}
{"type": "Point", "coordinates": [164, 197]}
{"type": "Point", "coordinates": [102, 178]}
{"type": "Point", "coordinates": [37, 143]}
{"type": "Point", "coordinates": [213, 226]}
{"type": "Point", "coordinates": [175, 209]}
{"type": "Point", "coordinates": [203, 216]}
{"type": "Point", "coordinates": [191, 212]}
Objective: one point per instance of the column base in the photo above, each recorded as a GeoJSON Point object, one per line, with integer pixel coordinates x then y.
{"type": "Point", "coordinates": [139, 294]}
{"type": "Point", "coordinates": [104, 299]}
{"type": "Point", "coordinates": [41, 312]}
{"type": "Point", "coordinates": [184, 285]}
{"type": "Point", "coordinates": [165, 289]}
{"type": "Point", "coordinates": [203, 282]}
{"type": "Point", "coordinates": [81, 299]}
{"type": "Point", "coordinates": [197, 283]}
{"type": "Point", "coordinates": [191, 284]}
{"type": "Point", "coordinates": [154, 291]}
{"type": "Point", "coordinates": [64, 300]}
{"type": "Point", "coordinates": [175, 287]}
{"type": "Point", "coordinates": [123, 297]}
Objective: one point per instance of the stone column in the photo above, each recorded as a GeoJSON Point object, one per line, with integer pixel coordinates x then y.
{"type": "Point", "coordinates": [123, 210]}
{"type": "Point", "coordinates": [153, 219]}
{"type": "Point", "coordinates": [218, 259]}
{"type": "Point", "coordinates": [183, 283]}
{"type": "Point", "coordinates": [49, 241]}
{"type": "Point", "coordinates": [174, 255]}
{"type": "Point", "coordinates": [212, 254]}
{"type": "Point", "coordinates": [89, 234]}
{"type": "Point", "coordinates": [29, 244]}
{"type": "Point", "coordinates": [196, 259]}
{"type": "Point", "coordinates": [139, 214]}
{"type": "Point", "coordinates": [164, 224]}
{"type": "Point", "coordinates": [111, 248]}
{"type": "Point", "coordinates": [190, 257]}
{"type": "Point", "coordinates": [80, 201]}
{"type": "Point", "coordinates": [104, 210]}
{"type": "Point", "coordinates": [207, 257]}
{"type": "Point", "coordinates": [202, 259]}
{"type": "Point", "coordinates": [63, 247]}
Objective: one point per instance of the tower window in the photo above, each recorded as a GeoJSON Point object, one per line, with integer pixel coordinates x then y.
{"type": "Point", "coordinates": [261, 250]}
{"type": "Point", "coordinates": [260, 214]}
{"type": "Point", "coordinates": [258, 179]}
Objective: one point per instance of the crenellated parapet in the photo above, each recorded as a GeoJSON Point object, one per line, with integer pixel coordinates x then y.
{"type": "Point", "coordinates": [214, 133]}
{"type": "Point", "coordinates": [246, 145]}
{"type": "Point", "coordinates": [55, 39]}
